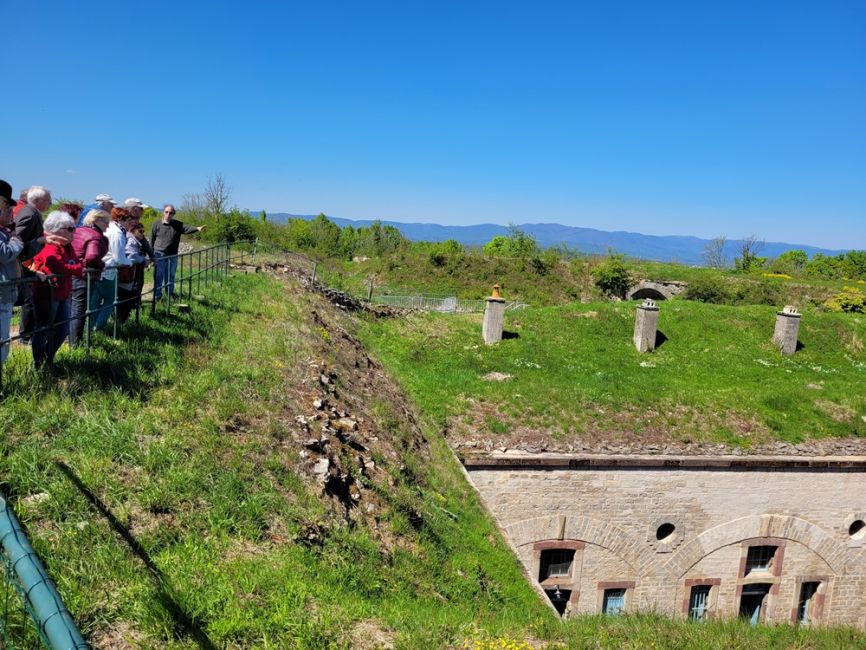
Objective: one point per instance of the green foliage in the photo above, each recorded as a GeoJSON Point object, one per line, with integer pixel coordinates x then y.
{"type": "Point", "coordinates": [232, 226]}
{"type": "Point", "coordinates": [324, 235]}
{"type": "Point", "coordinates": [824, 266]}
{"type": "Point", "coordinates": [854, 265]}
{"type": "Point", "coordinates": [499, 246]}
{"type": "Point", "coordinates": [760, 292]}
{"type": "Point", "coordinates": [797, 259]}
{"type": "Point", "coordinates": [850, 299]}
{"type": "Point", "coordinates": [440, 252]}
{"type": "Point", "coordinates": [749, 263]}
{"type": "Point", "coordinates": [516, 244]}
{"type": "Point", "coordinates": [263, 217]}
{"type": "Point", "coordinates": [612, 276]}
{"type": "Point", "coordinates": [711, 289]}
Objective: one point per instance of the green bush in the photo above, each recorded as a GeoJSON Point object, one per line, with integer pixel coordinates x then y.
{"type": "Point", "coordinates": [850, 300]}
{"type": "Point", "coordinates": [708, 289]}
{"type": "Point", "coordinates": [612, 276]}
{"type": "Point", "coordinates": [762, 292]}
{"type": "Point", "coordinates": [234, 226]}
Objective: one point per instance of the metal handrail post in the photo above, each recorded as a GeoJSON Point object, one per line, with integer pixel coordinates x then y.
{"type": "Point", "coordinates": [168, 287]}
{"type": "Point", "coordinates": [198, 275]}
{"type": "Point", "coordinates": [153, 291]}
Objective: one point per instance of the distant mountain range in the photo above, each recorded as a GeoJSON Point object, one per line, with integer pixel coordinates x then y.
{"type": "Point", "coordinates": [670, 248]}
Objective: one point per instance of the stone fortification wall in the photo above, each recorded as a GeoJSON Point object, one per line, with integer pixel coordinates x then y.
{"type": "Point", "coordinates": [656, 527]}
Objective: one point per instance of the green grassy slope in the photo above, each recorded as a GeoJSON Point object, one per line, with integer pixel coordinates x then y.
{"type": "Point", "coordinates": [167, 485]}
{"type": "Point", "coordinates": [573, 370]}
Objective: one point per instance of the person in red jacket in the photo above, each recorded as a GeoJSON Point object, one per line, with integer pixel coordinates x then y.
{"type": "Point", "coordinates": [90, 246]}
{"type": "Point", "coordinates": [56, 264]}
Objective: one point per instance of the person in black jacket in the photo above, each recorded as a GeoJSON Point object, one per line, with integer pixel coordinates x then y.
{"type": "Point", "coordinates": [164, 240]}
{"type": "Point", "coordinates": [28, 228]}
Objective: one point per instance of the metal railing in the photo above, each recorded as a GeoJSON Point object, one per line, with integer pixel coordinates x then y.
{"type": "Point", "coordinates": [317, 271]}
{"type": "Point", "coordinates": [25, 574]}
{"type": "Point", "coordinates": [192, 270]}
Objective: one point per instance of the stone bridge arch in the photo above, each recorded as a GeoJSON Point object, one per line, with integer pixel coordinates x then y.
{"type": "Point", "coordinates": [787, 527]}
{"type": "Point", "coordinates": [654, 290]}
{"type": "Point", "coordinates": [627, 547]}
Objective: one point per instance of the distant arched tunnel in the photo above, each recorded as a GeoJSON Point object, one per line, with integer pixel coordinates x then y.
{"type": "Point", "coordinates": [654, 290]}
{"type": "Point", "coordinates": [647, 292]}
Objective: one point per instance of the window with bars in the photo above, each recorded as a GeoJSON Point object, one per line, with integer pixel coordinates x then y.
{"type": "Point", "coordinates": [555, 562]}
{"type": "Point", "coordinates": [699, 601]}
{"type": "Point", "coordinates": [760, 559]}
{"type": "Point", "coordinates": [613, 601]}
{"type": "Point", "coordinates": [806, 602]}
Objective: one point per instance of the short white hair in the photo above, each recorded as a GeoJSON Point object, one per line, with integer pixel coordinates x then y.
{"type": "Point", "coordinates": [36, 193]}
{"type": "Point", "coordinates": [58, 220]}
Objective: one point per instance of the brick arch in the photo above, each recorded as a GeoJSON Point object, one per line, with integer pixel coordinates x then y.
{"type": "Point", "coordinates": [628, 548]}
{"type": "Point", "coordinates": [795, 529]}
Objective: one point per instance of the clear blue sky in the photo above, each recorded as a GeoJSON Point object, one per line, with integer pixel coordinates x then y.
{"type": "Point", "coordinates": [687, 118]}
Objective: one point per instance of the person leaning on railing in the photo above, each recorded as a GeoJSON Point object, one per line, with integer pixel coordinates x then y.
{"type": "Point", "coordinates": [138, 252]}
{"type": "Point", "coordinates": [29, 229]}
{"type": "Point", "coordinates": [90, 246]}
{"type": "Point", "coordinates": [10, 249]}
{"type": "Point", "coordinates": [55, 264]}
{"type": "Point", "coordinates": [114, 259]}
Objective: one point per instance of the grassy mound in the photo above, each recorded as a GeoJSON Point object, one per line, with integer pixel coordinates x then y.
{"type": "Point", "coordinates": [172, 484]}
{"type": "Point", "coordinates": [572, 373]}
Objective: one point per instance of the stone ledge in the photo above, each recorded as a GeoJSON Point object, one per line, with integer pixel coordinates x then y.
{"type": "Point", "coordinates": [499, 461]}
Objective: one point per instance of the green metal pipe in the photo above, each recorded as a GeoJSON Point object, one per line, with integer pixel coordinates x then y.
{"type": "Point", "coordinates": [53, 620]}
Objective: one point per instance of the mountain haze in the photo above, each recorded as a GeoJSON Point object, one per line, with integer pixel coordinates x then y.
{"type": "Point", "coordinates": [664, 248]}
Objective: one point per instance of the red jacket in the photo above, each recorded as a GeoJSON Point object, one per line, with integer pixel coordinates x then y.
{"type": "Point", "coordinates": [90, 246]}
{"type": "Point", "coordinates": [61, 261]}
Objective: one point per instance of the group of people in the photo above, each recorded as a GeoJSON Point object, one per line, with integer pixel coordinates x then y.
{"type": "Point", "coordinates": [77, 260]}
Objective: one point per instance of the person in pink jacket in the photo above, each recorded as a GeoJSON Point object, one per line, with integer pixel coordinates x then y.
{"type": "Point", "coordinates": [90, 246]}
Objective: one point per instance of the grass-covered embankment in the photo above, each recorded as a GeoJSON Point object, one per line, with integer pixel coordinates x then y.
{"type": "Point", "coordinates": [164, 484]}
{"type": "Point", "coordinates": [573, 370]}
{"type": "Point", "coordinates": [161, 484]}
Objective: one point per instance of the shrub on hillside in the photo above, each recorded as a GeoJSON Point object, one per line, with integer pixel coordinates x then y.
{"type": "Point", "coordinates": [850, 300]}
{"type": "Point", "coordinates": [441, 251]}
{"type": "Point", "coordinates": [516, 244]}
{"type": "Point", "coordinates": [762, 292]}
{"type": "Point", "coordinates": [710, 289]}
{"type": "Point", "coordinates": [233, 226]}
{"type": "Point", "coordinates": [612, 276]}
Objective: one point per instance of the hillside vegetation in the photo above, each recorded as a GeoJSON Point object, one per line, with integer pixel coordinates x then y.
{"type": "Point", "coordinates": [203, 485]}
{"type": "Point", "coordinates": [572, 373]}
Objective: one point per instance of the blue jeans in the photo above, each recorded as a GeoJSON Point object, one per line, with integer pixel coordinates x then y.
{"type": "Point", "coordinates": [163, 274]}
{"type": "Point", "coordinates": [5, 320]}
{"type": "Point", "coordinates": [101, 299]}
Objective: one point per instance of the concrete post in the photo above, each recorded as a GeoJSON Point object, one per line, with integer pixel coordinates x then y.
{"type": "Point", "coordinates": [787, 329]}
{"type": "Point", "coordinates": [494, 317]}
{"type": "Point", "coordinates": [646, 322]}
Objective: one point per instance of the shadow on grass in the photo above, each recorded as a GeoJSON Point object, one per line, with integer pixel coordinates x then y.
{"type": "Point", "coordinates": [660, 338]}
{"type": "Point", "coordinates": [130, 364]}
{"type": "Point", "coordinates": [185, 624]}
{"type": "Point", "coordinates": [510, 335]}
